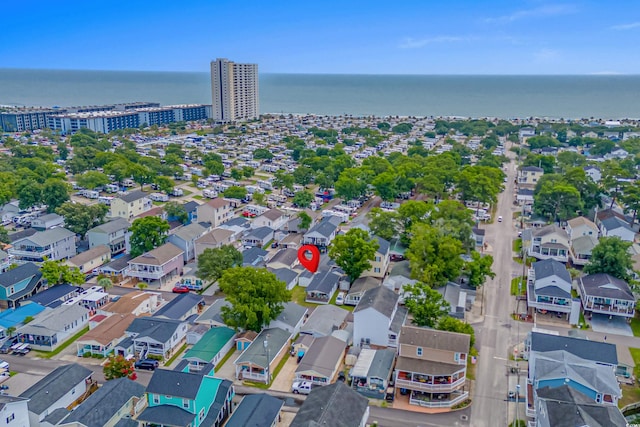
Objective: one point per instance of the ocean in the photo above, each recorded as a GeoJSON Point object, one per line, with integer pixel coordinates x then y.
{"type": "Point", "coordinates": [569, 97]}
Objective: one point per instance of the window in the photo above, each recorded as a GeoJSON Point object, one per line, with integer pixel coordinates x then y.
{"type": "Point", "coordinates": [10, 418]}
{"type": "Point", "coordinates": [378, 259]}
{"type": "Point", "coordinates": [201, 414]}
{"type": "Point", "coordinates": [185, 403]}
{"type": "Point", "coordinates": [419, 351]}
{"type": "Point", "coordinates": [156, 399]}
{"type": "Point", "coordinates": [376, 270]}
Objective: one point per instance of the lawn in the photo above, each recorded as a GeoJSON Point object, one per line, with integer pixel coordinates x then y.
{"type": "Point", "coordinates": [67, 343]}
{"type": "Point", "coordinates": [333, 302]}
{"type": "Point", "coordinates": [176, 354]}
{"type": "Point", "coordinates": [517, 246]}
{"type": "Point", "coordinates": [514, 286]}
{"type": "Point", "coordinates": [197, 197]}
{"type": "Point", "coordinates": [635, 327]}
{"type": "Point", "coordinates": [630, 394]}
{"type": "Point", "coordinates": [298, 295]}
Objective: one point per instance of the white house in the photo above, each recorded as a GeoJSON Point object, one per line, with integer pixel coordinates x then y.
{"type": "Point", "coordinates": [381, 259]}
{"type": "Point", "coordinates": [273, 218]}
{"type": "Point", "coordinates": [291, 318]}
{"type": "Point", "coordinates": [377, 319]}
{"type": "Point", "coordinates": [549, 289]}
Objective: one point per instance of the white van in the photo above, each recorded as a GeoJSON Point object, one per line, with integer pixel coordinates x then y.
{"type": "Point", "coordinates": [302, 387]}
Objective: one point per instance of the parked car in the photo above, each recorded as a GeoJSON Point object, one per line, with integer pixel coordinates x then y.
{"type": "Point", "coordinates": [500, 218]}
{"type": "Point", "coordinates": [396, 257]}
{"type": "Point", "coordinates": [180, 289]}
{"type": "Point", "coordinates": [148, 364]}
{"type": "Point", "coordinates": [340, 298]}
{"type": "Point", "coordinates": [302, 387]}
{"type": "Point", "coordinates": [6, 346]}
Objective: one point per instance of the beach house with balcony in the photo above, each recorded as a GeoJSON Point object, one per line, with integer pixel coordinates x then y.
{"type": "Point", "coordinates": [114, 234]}
{"type": "Point", "coordinates": [528, 176]}
{"type": "Point", "coordinates": [158, 265]}
{"type": "Point", "coordinates": [432, 367]}
{"type": "Point", "coordinates": [603, 294]}
{"type": "Point", "coordinates": [549, 289]}
{"type": "Point", "coordinates": [322, 233]}
{"type": "Point", "coordinates": [216, 211]}
{"type": "Point", "coordinates": [549, 242]}
{"type": "Point", "coordinates": [53, 244]}
{"type": "Point", "coordinates": [130, 205]}
{"type": "Point", "coordinates": [377, 319]}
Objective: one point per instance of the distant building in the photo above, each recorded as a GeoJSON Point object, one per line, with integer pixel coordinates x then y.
{"type": "Point", "coordinates": [234, 90]}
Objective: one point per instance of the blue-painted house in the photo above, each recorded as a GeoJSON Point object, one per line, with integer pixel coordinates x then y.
{"type": "Point", "coordinates": [179, 398]}
{"type": "Point", "coordinates": [18, 284]}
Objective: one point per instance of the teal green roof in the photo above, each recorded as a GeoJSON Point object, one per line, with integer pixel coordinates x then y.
{"type": "Point", "coordinates": [210, 344]}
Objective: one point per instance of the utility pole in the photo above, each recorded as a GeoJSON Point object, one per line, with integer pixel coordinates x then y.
{"type": "Point", "coordinates": [266, 349]}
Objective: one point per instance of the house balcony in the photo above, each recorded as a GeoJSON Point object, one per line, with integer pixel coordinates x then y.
{"type": "Point", "coordinates": [429, 383]}
{"type": "Point", "coordinates": [317, 298]}
{"type": "Point", "coordinates": [31, 254]}
{"type": "Point", "coordinates": [319, 242]}
{"type": "Point", "coordinates": [610, 309]}
{"type": "Point", "coordinates": [557, 304]}
{"type": "Point", "coordinates": [437, 400]}
{"type": "Point", "coordinates": [545, 252]}
{"type": "Point", "coordinates": [146, 273]}
{"type": "Point", "coordinates": [580, 259]}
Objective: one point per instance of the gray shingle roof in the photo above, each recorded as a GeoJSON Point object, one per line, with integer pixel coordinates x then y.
{"type": "Point", "coordinates": [381, 299]}
{"type": "Point", "coordinates": [323, 281]}
{"type": "Point", "coordinates": [178, 307]}
{"type": "Point", "coordinates": [118, 264]}
{"type": "Point", "coordinates": [51, 296]}
{"type": "Point", "coordinates": [259, 233]}
{"type": "Point", "coordinates": [190, 232]}
{"type": "Point", "coordinates": [47, 237]}
{"type": "Point", "coordinates": [323, 356]}
{"type": "Point", "coordinates": [334, 405]}
{"type": "Point", "coordinates": [584, 244]}
{"type": "Point", "coordinates": [116, 224]}
{"type": "Point", "coordinates": [292, 314]}
{"type": "Point", "coordinates": [324, 320]}
{"type": "Point", "coordinates": [158, 256]}
{"type": "Point", "coordinates": [19, 273]}
{"type": "Point", "coordinates": [284, 274]}
{"type": "Point", "coordinates": [133, 196]}
{"type": "Point", "coordinates": [383, 245]}
{"type": "Point", "coordinates": [550, 267]}
{"type": "Point", "coordinates": [285, 256]}
{"type": "Point", "coordinates": [256, 410]}
{"type": "Point", "coordinates": [54, 320]}
{"type": "Point", "coordinates": [432, 338]}
{"type": "Point", "coordinates": [591, 350]}
{"type": "Point", "coordinates": [154, 327]}
{"type": "Point", "coordinates": [213, 313]}
{"type": "Point", "coordinates": [190, 206]}
{"type": "Point", "coordinates": [613, 223]}
{"type": "Point", "coordinates": [175, 383]}
{"type": "Point", "coordinates": [251, 255]}
{"type": "Point", "coordinates": [324, 227]}
{"type": "Point", "coordinates": [105, 403]}
{"type": "Point", "coordinates": [51, 388]}
{"type": "Point", "coordinates": [166, 414]}
{"type": "Point", "coordinates": [606, 286]}
{"type": "Point", "coordinates": [276, 339]}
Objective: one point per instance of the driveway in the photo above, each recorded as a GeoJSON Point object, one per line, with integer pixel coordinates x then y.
{"type": "Point", "coordinates": [284, 380]}
{"type": "Point", "coordinates": [615, 326]}
{"type": "Point", "coordinates": [228, 370]}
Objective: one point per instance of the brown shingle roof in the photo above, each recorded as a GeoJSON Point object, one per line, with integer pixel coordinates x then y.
{"type": "Point", "coordinates": [433, 338]}
{"type": "Point", "coordinates": [216, 236]}
{"type": "Point", "coordinates": [109, 329]}
{"type": "Point", "coordinates": [218, 202]}
{"type": "Point", "coordinates": [273, 214]}
{"type": "Point", "coordinates": [127, 303]}
{"type": "Point", "coordinates": [158, 256]}
{"type": "Point", "coordinates": [93, 253]}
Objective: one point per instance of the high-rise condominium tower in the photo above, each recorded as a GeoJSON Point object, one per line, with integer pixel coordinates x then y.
{"type": "Point", "coordinates": [234, 90]}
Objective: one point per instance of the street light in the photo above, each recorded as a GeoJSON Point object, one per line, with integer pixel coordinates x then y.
{"type": "Point", "coordinates": [515, 422]}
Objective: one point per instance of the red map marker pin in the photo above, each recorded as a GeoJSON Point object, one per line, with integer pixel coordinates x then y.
{"type": "Point", "coordinates": [311, 263]}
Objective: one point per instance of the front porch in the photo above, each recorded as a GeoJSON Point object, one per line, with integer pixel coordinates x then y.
{"type": "Point", "coordinates": [251, 373]}
{"type": "Point", "coordinates": [551, 251]}
{"type": "Point", "coordinates": [609, 307]}
{"type": "Point", "coordinates": [437, 400]}
{"type": "Point", "coordinates": [317, 297]}
{"type": "Point", "coordinates": [430, 383]}
{"type": "Point", "coordinates": [93, 349]}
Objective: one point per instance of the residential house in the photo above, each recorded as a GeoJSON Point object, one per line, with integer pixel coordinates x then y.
{"type": "Point", "coordinates": [322, 287]}
{"type": "Point", "coordinates": [59, 389]}
{"type": "Point", "coordinates": [155, 336]}
{"type": "Point", "coordinates": [191, 208]}
{"type": "Point", "coordinates": [459, 297]}
{"type": "Point", "coordinates": [526, 132]}
{"type": "Point", "coordinates": [603, 294]}
{"type": "Point", "coordinates": [600, 352]}
{"type": "Point", "coordinates": [581, 249]}
{"type": "Point", "coordinates": [291, 241]}
{"type": "Point", "coordinates": [324, 320]}
{"type": "Point", "coordinates": [258, 361]}
{"type": "Point", "coordinates": [118, 269]}
{"type": "Point", "coordinates": [566, 406]}
{"type": "Point", "coordinates": [290, 318]}
{"type": "Point", "coordinates": [325, 405]}
{"type": "Point", "coordinates": [285, 259]}
{"type": "Point", "coordinates": [115, 234]}
{"type": "Point", "coordinates": [273, 218]}
{"type": "Point", "coordinates": [88, 261]}
{"type": "Point", "coordinates": [524, 197]}
{"type": "Point", "coordinates": [103, 338]}
{"type": "Point", "coordinates": [258, 237]}
{"type": "Point", "coordinates": [5, 261]}
{"type": "Point", "coordinates": [371, 374]}
{"type": "Point", "coordinates": [432, 366]}
{"type": "Point", "coordinates": [478, 236]}
{"type": "Point", "coordinates": [359, 287]}
{"type": "Point", "coordinates": [19, 284]}
{"type": "Point", "coordinates": [614, 226]}
{"type": "Point", "coordinates": [549, 289]}
{"type": "Point", "coordinates": [288, 276]}
{"type": "Point", "coordinates": [138, 303]}
{"type": "Point", "coordinates": [381, 259]}
{"type": "Point", "coordinates": [214, 239]}
{"type": "Point", "coordinates": [53, 245]}
{"type": "Point", "coordinates": [130, 205]}
{"type": "Point", "coordinates": [257, 410]}
{"type": "Point", "coordinates": [182, 307]}
{"type": "Point", "coordinates": [322, 233]}
{"type": "Point", "coordinates": [185, 238]}
{"type": "Point", "coordinates": [594, 173]}
{"type": "Point", "coordinates": [549, 242]}
{"type": "Point", "coordinates": [116, 400]}
{"type": "Point", "coordinates": [14, 410]}
{"type": "Point", "coordinates": [157, 265]}
{"type": "Point", "coordinates": [377, 319]}
{"type": "Point", "coordinates": [15, 317]}
{"type": "Point", "coordinates": [216, 211]}
{"type": "Point", "coordinates": [212, 316]}
{"type": "Point", "coordinates": [211, 348]}
{"type": "Point", "coordinates": [254, 256]}
{"type": "Point", "coordinates": [322, 361]}
{"type": "Point", "coordinates": [47, 221]}
{"type": "Point", "coordinates": [55, 295]}
{"type": "Point", "coordinates": [528, 176]}
{"type": "Point", "coordinates": [53, 327]}
{"type": "Point", "coordinates": [183, 398]}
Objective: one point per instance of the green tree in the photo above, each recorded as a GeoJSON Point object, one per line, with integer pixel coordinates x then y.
{"type": "Point", "coordinates": [29, 194]}
{"type": "Point", "coordinates": [119, 367]}
{"type": "Point", "coordinates": [611, 256]}
{"type": "Point", "coordinates": [258, 198]}
{"type": "Point", "coordinates": [57, 273]}
{"type": "Point", "coordinates": [434, 258]}
{"type": "Point", "coordinates": [353, 252]}
{"type": "Point", "coordinates": [176, 211]}
{"type": "Point", "coordinates": [54, 193]}
{"type": "Point", "coordinates": [147, 233]}
{"type": "Point", "coordinates": [235, 192]}
{"type": "Point", "coordinates": [213, 262]}
{"type": "Point", "coordinates": [557, 200]}
{"type": "Point", "coordinates": [164, 183]}
{"type": "Point", "coordinates": [480, 184]}
{"type": "Point", "coordinates": [386, 185]}
{"type": "Point", "coordinates": [236, 174]}
{"type": "Point", "coordinates": [255, 295]}
{"type": "Point", "coordinates": [214, 167]}
{"type": "Point", "coordinates": [631, 199]}
{"type": "Point", "coordinates": [80, 218]}
{"type": "Point", "coordinates": [283, 180]}
{"type": "Point", "coordinates": [303, 175]}
{"type": "Point", "coordinates": [451, 324]}
{"type": "Point", "coordinates": [479, 268]}
{"type": "Point", "coordinates": [305, 220]}
{"type": "Point", "coordinates": [303, 199]}
{"type": "Point", "coordinates": [262, 154]}
{"type": "Point", "coordinates": [248, 171]}
{"type": "Point", "coordinates": [105, 283]}
{"type": "Point", "coordinates": [92, 179]}
{"type": "Point", "coordinates": [383, 224]}
{"type": "Point", "coordinates": [4, 235]}
{"type": "Point", "coordinates": [426, 305]}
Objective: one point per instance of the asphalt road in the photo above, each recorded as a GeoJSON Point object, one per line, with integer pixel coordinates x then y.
{"type": "Point", "coordinates": [498, 331]}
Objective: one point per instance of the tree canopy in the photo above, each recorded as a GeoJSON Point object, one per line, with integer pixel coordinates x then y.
{"type": "Point", "coordinates": [80, 218]}
{"type": "Point", "coordinates": [213, 262]}
{"type": "Point", "coordinates": [426, 305]}
{"type": "Point", "coordinates": [119, 367]}
{"type": "Point", "coordinates": [353, 252]}
{"type": "Point", "coordinates": [57, 273]}
{"type": "Point", "coordinates": [147, 233]}
{"type": "Point", "coordinates": [611, 256]}
{"type": "Point", "coordinates": [255, 295]}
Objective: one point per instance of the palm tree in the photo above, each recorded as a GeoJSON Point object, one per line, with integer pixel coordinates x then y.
{"type": "Point", "coordinates": [11, 330]}
{"type": "Point", "coordinates": [142, 286]}
{"type": "Point", "coordinates": [105, 283]}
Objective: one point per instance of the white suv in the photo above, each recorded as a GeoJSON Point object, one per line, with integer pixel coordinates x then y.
{"type": "Point", "coordinates": [302, 387]}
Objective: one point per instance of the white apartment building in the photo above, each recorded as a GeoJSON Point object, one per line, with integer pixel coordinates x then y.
{"type": "Point", "coordinates": [234, 90]}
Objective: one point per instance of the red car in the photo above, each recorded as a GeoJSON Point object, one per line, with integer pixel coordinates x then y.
{"type": "Point", "coordinates": [179, 289]}
{"type": "Point", "coordinates": [396, 257]}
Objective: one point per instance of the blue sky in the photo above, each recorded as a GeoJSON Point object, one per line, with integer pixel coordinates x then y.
{"type": "Point", "coordinates": [327, 36]}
